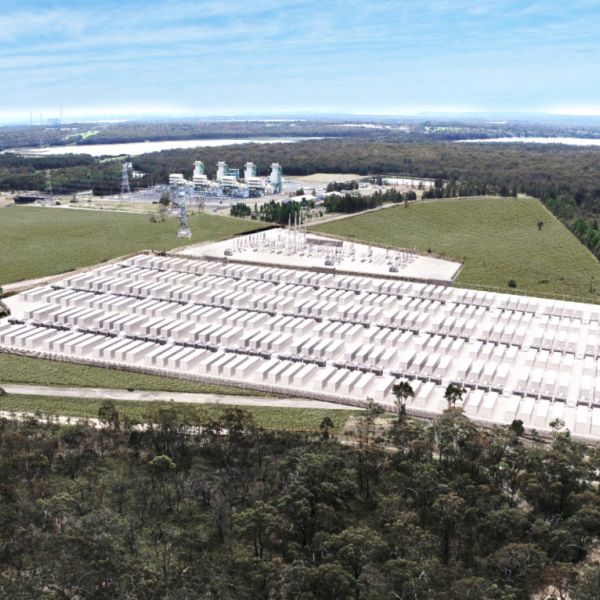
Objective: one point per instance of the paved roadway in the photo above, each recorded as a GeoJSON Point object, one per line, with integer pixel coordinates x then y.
{"type": "Point", "coordinates": [191, 398]}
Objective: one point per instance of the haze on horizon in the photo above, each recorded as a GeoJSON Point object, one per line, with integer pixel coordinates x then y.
{"type": "Point", "coordinates": [267, 57]}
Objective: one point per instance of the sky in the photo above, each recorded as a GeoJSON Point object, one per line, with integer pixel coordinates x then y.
{"type": "Point", "coordinates": [393, 57]}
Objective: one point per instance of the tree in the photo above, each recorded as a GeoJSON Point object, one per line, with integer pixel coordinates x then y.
{"type": "Point", "coordinates": [478, 588]}
{"type": "Point", "coordinates": [517, 427]}
{"type": "Point", "coordinates": [449, 509]}
{"type": "Point", "coordinates": [326, 426]}
{"type": "Point", "coordinates": [108, 414]}
{"type": "Point", "coordinates": [367, 421]}
{"type": "Point", "coordinates": [240, 209]}
{"type": "Point", "coordinates": [457, 438]}
{"type": "Point", "coordinates": [453, 394]}
{"type": "Point", "coordinates": [162, 464]}
{"type": "Point", "coordinates": [260, 526]}
{"type": "Point", "coordinates": [519, 565]}
{"type": "Point", "coordinates": [329, 581]}
{"type": "Point", "coordinates": [162, 211]}
{"type": "Point", "coordinates": [406, 539]}
{"type": "Point", "coordinates": [415, 580]}
{"type": "Point", "coordinates": [355, 548]}
{"type": "Point", "coordinates": [588, 586]}
{"type": "Point", "coordinates": [403, 391]}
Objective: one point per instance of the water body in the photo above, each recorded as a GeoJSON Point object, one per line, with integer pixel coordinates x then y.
{"type": "Point", "coordinates": [570, 141]}
{"type": "Point", "coordinates": [137, 148]}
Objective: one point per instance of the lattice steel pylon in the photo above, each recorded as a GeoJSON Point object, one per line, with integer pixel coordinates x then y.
{"type": "Point", "coordinates": [184, 230]}
{"type": "Point", "coordinates": [125, 188]}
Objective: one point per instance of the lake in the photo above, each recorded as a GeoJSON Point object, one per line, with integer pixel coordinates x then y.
{"type": "Point", "coordinates": [137, 148]}
{"type": "Point", "coordinates": [570, 141]}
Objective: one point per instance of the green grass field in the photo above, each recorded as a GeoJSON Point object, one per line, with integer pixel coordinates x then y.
{"type": "Point", "coordinates": [497, 238]}
{"type": "Point", "coordinates": [289, 419]}
{"type": "Point", "coordinates": [23, 369]}
{"type": "Point", "coordinates": [36, 241]}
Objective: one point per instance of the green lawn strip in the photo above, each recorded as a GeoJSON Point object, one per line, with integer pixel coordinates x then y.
{"type": "Point", "coordinates": [291, 419]}
{"type": "Point", "coordinates": [35, 241]}
{"type": "Point", "coordinates": [27, 370]}
{"type": "Point", "coordinates": [497, 238]}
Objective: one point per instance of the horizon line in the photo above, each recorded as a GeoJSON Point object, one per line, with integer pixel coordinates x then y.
{"type": "Point", "coordinates": [120, 115]}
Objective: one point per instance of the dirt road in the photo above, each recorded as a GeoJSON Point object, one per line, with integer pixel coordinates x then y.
{"type": "Point", "coordinates": [146, 396]}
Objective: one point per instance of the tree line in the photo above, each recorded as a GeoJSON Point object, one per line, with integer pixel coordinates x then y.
{"type": "Point", "coordinates": [334, 186]}
{"type": "Point", "coordinates": [353, 202]}
{"type": "Point", "coordinates": [273, 212]}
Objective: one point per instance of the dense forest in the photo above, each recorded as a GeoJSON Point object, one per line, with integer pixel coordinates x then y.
{"type": "Point", "coordinates": [70, 173]}
{"type": "Point", "coordinates": [413, 129]}
{"type": "Point", "coordinates": [189, 508]}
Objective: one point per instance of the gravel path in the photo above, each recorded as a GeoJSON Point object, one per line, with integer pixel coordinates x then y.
{"type": "Point", "coordinates": [107, 394]}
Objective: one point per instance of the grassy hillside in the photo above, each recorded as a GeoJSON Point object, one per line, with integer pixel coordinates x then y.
{"type": "Point", "coordinates": [35, 242]}
{"type": "Point", "coordinates": [286, 419]}
{"type": "Point", "coordinates": [24, 369]}
{"type": "Point", "coordinates": [497, 238]}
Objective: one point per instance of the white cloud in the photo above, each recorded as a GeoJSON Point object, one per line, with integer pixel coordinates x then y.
{"type": "Point", "coordinates": [352, 50]}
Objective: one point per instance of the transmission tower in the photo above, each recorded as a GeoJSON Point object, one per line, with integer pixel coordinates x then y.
{"type": "Point", "coordinates": [184, 227]}
{"type": "Point", "coordinates": [48, 199]}
{"type": "Point", "coordinates": [41, 132]}
{"type": "Point", "coordinates": [125, 188]}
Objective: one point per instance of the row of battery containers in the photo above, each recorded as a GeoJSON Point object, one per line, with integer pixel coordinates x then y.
{"type": "Point", "coordinates": [220, 364]}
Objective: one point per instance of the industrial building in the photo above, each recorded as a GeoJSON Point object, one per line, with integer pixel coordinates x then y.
{"type": "Point", "coordinates": [413, 182]}
{"type": "Point", "coordinates": [228, 181]}
{"type": "Point", "coordinates": [324, 332]}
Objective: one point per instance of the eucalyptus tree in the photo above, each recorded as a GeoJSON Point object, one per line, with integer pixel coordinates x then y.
{"type": "Point", "coordinates": [403, 391]}
{"type": "Point", "coordinates": [453, 394]}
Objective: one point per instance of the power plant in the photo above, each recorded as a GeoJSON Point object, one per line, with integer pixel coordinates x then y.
{"type": "Point", "coordinates": [229, 182]}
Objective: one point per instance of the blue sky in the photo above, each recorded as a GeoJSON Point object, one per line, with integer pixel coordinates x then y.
{"type": "Point", "coordinates": [267, 56]}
